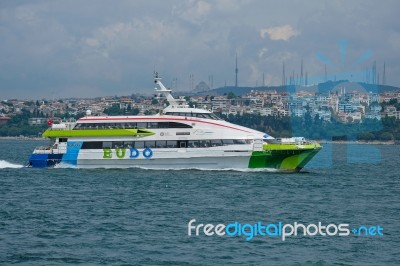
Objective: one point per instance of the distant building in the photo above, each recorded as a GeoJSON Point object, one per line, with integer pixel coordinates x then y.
{"type": "Point", "coordinates": [4, 120]}
{"type": "Point", "coordinates": [33, 121]}
{"type": "Point", "coordinates": [201, 87]}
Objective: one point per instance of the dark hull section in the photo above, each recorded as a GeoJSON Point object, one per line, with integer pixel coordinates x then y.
{"type": "Point", "coordinates": [44, 160]}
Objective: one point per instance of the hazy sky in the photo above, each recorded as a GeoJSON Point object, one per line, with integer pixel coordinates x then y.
{"type": "Point", "coordinates": [93, 48]}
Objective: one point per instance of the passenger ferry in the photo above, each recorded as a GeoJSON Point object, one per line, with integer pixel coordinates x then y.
{"type": "Point", "coordinates": [179, 137]}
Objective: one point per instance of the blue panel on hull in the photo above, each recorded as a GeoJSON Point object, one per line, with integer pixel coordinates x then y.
{"type": "Point", "coordinates": [38, 160]}
{"type": "Point", "coordinates": [44, 160]}
{"type": "Point", "coordinates": [73, 148]}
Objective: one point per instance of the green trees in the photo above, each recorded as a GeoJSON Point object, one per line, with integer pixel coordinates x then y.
{"type": "Point", "coordinates": [231, 95]}
{"type": "Point", "coordinates": [315, 128]}
{"type": "Point", "coordinates": [114, 110]}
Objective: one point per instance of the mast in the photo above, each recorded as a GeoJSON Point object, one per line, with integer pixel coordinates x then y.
{"type": "Point", "coordinates": [163, 90]}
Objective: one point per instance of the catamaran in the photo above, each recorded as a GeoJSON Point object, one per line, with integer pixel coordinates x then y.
{"type": "Point", "coordinates": [179, 137]}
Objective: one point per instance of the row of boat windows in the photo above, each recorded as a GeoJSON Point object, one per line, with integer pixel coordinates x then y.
{"type": "Point", "coordinates": [132, 125]}
{"type": "Point", "coordinates": [163, 144]}
{"type": "Point", "coordinates": [204, 115]}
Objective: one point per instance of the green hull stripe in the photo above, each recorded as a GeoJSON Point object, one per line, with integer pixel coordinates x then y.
{"type": "Point", "coordinates": [288, 157]}
{"type": "Point", "coordinates": [96, 133]}
{"type": "Point", "coordinates": [283, 146]}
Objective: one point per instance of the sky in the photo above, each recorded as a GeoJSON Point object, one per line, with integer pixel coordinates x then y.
{"type": "Point", "coordinates": [90, 48]}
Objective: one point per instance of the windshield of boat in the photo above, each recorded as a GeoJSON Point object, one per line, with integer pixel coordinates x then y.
{"type": "Point", "coordinates": [199, 115]}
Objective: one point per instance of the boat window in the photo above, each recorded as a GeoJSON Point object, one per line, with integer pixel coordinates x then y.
{"type": "Point", "coordinates": [172, 143]}
{"type": "Point", "coordinates": [128, 144]}
{"type": "Point", "coordinates": [161, 144]}
{"type": "Point", "coordinates": [163, 125]}
{"type": "Point", "coordinates": [139, 144]}
{"type": "Point", "coordinates": [227, 142]}
{"type": "Point", "coordinates": [193, 144]}
{"type": "Point", "coordinates": [92, 145]}
{"type": "Point", "coordinates": [191, 114]}
{"type": "Point", "coordinates": [142, 125]}
{"type": "Point", "coordinates": [152, 125]}
{"type": "Point", "coordinates": [182, 144]}
{"type": "Point", "coordinates": [215, 117]}
{"type": "Point", "coordinates": [216, 142]}
{"type": "Point", "coordinates": [178, 125]}
{"type": "Point", "coordinates": [238, 141]}
{"type": "Point", "coordinates": [117, 144]}
{"type": "Point", "coordinates": [107, 144]}
{"type": "Point", "coordinates": [132, 125]}
{"type": "Point", "coordinates": [150, 144]}
{"type": "Point", "coordinates": [204, 143]}
{"type": "Point", "coordinates": [62, 140]}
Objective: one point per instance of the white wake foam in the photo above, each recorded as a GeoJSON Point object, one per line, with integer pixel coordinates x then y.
{"type": "Point", "coordinates": [5, 164]}
{"type": "Point", "coordinates": [64, 165]}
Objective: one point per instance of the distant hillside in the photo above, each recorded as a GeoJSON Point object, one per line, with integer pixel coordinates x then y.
{"type": "Point", "coordinates": [321, 87]}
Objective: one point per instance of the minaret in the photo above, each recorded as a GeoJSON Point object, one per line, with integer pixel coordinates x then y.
{"type": "Point", "coordinates": [263, 80]}
{"type": "Point", "coordinates": [236, 72]}
{"type": "Point", "coordinates": [306, 79]}
{"type": "Point", "coordinates": [301, 73]}
{"type": "Point", "coordinates": [374, 73]}
{"type": "Point", "coordinates": [384, 74]}
{"type": "Point", "coordinates": [283, 75]}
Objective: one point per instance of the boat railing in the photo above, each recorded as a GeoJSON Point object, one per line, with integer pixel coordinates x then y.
{"type": "Point", "coordinates": [42, 150]}
{"type": "Point", "coordinates": [296, 142]}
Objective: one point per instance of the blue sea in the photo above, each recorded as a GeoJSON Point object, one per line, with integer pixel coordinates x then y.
{"type": "Point", "coordinates": [140, 217]}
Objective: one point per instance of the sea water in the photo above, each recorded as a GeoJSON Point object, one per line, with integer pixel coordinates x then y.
{"type": "Point", "coordinates": [135, 216]}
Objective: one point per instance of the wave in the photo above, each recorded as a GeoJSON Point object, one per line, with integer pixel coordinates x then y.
{"type": "Point", "coordinates": [63, 165]}
{"type": "Point", "coordinates": [102, 167]}
{"type": "Point", "coordinates": [5, 164]}
{"type": "Point", "coordinates": [210, 169]}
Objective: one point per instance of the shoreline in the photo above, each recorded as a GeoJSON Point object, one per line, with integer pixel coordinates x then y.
{"type": "Point", "coordinates": [359, 142]}
{"type": "Point", "coordinates": [22, 138]}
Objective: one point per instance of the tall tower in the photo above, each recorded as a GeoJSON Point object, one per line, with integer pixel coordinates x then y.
{"type": "Point", "coordinates": [236, 73]}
